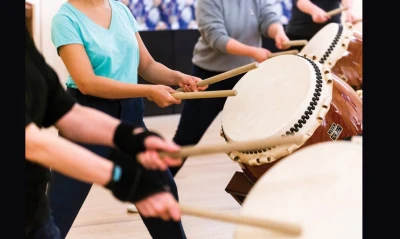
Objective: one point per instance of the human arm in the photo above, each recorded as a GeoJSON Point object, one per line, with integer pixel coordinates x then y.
{"type": "Point", "coordinates": [349, 11]}
{"type": "Point", "coordinates": [211, 25]}
{"type": "Point", "coordinates": [158, 73]}
{"type": "Point", "coordinates": [69, 44]}
{"type": "Point", "coordinates": [72, 160]}
{"type": "Point", "coordinates": [82, 124]}
{"type": "Point", "coordinates": [318, 15]}
{"type": "Point", "coordinates": [65, 157]}
{"type": "Point", "coordinates": [270, 25]}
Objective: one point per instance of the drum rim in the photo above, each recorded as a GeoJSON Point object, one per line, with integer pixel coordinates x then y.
{"type": "Point", "coordinates": [317, 109]}
{"type": "Point", "coordinates": [337, 47]}
{"type": "Point", "coordinates": [355, 143]}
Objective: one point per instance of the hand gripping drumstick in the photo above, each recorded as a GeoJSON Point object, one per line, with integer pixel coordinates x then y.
{"type": "Point", "coordinates": [295, 43]}
{"type": "Point", "coordinates": [336, 11]}
{"type": "Point", "coordinates": [242, 219]}
{"type": "Point", "coordinates": [193, 150]}
{"type": "Point", "coordinates": [204, 95]}
{"type": "Point", "coordinates": [238, 71]}
{"type": "Point", "coordinates": [226, 75]}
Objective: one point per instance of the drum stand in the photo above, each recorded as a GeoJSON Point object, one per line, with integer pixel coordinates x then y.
{"type": "Point", "coordinates": [239, 187]}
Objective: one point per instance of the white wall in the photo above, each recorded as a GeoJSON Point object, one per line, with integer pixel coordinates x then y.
{"type": "Point", "coordinates": [48, 9]}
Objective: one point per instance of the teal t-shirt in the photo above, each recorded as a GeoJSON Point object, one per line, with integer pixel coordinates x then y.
{"type": "Point", "coordinates": [113, 52]}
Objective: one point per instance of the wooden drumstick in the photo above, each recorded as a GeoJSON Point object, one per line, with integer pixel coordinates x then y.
{"type": "Point", "coordinates": [291, 52]}
{"type": "Point", "coordinates": [336, 11]}
{"type": "Point", "coordinates": [226, 75]}
{"type": "Point", "coordinates": [242, 219]}
{"type": "Point", "coordinates": [295, 43]}
{"type": "Point", "coordinates": [204, 94]}
{"type": "Point", "coordinates": [187, 151]}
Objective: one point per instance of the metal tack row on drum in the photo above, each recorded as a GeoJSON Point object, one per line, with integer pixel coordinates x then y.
{"type": "Point", "coordinates": [288, 95]}
{"type": "Point", "coordinates": [340, 47]}
{"type": "Point", "coordinates": [316, 96]}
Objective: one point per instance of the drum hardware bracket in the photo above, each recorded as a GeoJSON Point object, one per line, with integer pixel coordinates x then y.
{"type": "Point", "coordinates": [334, 131]}
{"type": "Point", "coordinates": [343, 78]}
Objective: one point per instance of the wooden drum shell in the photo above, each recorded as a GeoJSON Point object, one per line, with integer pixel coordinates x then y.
{"type": "Point", "coordinates": [345, 111]}
{"type": "Point", "coordinates": [349, 68]}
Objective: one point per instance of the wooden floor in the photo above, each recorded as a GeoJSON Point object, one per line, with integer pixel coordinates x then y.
{"type": "Point", "coordinates": [201, 182]}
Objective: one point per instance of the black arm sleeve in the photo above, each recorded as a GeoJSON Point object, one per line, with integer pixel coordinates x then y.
{"type": "Point", "coordinates": [59, 102]}
{"type": "Point", "coordinates": [136, 183]}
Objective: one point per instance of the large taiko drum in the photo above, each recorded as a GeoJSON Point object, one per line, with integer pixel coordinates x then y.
{"type": "Point", "coordinates": [288, 95]}
{"type": "Point", "coordinates": [318, 187]}
{"type": "Point", "coordinates": [340, 48]}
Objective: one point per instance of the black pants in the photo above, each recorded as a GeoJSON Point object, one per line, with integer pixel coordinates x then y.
{"type": "Point", "coordinates": [198, 114]}
{"type": "Point", "coordinates": [67, 195]}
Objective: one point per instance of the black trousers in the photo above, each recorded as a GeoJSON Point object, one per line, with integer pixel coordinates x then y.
{"type": "Point", "coordinates": [198, 114]}
{"type": "Point", "coordinates": [67, 195]}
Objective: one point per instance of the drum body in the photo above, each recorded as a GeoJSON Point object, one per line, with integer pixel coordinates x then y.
{"type": "Point", "coordinates": [340, 48]}
{"type": "Point", "coordinates": [274, 100]}
{"type": "Point", "coordinates": [343, 120]}
{"type": "Point", "coordinates": [318, 187]}
{"type": "Point", "coordinates": [349, 67]}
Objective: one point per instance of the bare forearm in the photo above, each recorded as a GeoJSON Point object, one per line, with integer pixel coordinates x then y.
{"type": "Point", "coordinates": [68, 158]}
{"type": "Point", "coordinates": [87, 125]}
{"type": "Point", "coordinates": [306, 6]}
{"type": "Point", "coordinates": [348, 3]}
{"type": "Point", "coordinates": [112, 89]}
{"type": "Point", "coordinates": [157, 73]}
{"type": "Point", "coordinates": [274, 29]}
{"type": "Point", "coordinates": [235, 47]}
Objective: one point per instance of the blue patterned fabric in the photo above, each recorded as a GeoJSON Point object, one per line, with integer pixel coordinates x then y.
{"type": "Point", "coordinates": [179, 14]}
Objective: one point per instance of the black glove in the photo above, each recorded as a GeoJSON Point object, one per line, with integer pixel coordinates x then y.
{"type": "Point", "coordinates": [128, 142]}
{"type": "Point", "coordinates": [130, 182]}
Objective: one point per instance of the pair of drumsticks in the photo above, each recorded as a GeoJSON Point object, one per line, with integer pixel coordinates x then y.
{"type": "Point", "coordinates": [187, 151]}
{"type": "Point", "coordinates": [179, 94]}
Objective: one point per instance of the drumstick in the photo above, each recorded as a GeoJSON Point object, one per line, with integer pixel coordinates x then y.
{"type": "Point", "coordinates": [226, 75]}
{"type": "Point", "coordinates": [204, 94]}
{"type": "Point", "coordinates": [295, 43]}
{"type": "Point", "coordinates": [187, 151]}
{"type": "Point", "coordinates": [336, 11]}
{"type": "Point", "coordinates": [291, 52]}
{"type": "Point", "coordinates": [242, 219]}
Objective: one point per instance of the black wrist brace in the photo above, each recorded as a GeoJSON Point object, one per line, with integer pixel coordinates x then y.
{"type": "Point", "coordinates": [130, 182]}
{"type": "Point", "coordinates": [128, 142]}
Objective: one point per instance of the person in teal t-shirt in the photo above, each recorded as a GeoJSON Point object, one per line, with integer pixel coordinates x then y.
{"type": "Point", "coordinates": [99, 43]}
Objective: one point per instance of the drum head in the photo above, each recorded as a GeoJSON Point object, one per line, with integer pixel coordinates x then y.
{"type": "Point", "coordinates": [318, 187]}
{"type": "Point", "coordinates": [269, 98]}
{"type": "Point", "coordinates": [330, 43]}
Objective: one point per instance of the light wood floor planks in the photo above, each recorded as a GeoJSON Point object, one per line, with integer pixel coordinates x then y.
{"type": "Point", "coordinates": [201, 182]}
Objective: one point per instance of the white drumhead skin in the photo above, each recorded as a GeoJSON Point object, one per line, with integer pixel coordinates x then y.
{"type": "Point", "coordinates": [322, 40]}
{"type": "Point", "coordinates": [271, 100]}
{"type": "Point", "coordinates": [318, 187]}
{"type": "Point", "coordinates": [268, 98]}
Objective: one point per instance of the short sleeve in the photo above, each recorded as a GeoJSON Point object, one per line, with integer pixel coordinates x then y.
{"type": "Point", "coordinates": [59, 102]}
{"type": "Point", "coordinates": [64, 31]}
{"type": "Point", "coordinates": [132, 20]}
